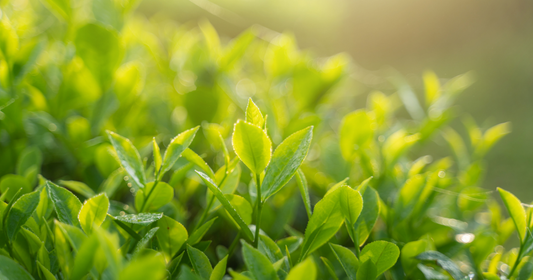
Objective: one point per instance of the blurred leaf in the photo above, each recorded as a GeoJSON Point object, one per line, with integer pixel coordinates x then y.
{"type": "Point", "coordinates": [444, 262]}
{"type": "Point", "coordinates": [158, 161]}
{"type": "Point", "coordinates": [12, 270]}
{"type": "Point", "coordinates": [61, 8]}
{"type": "Point", "coordinates": [330, 268]}
{"type": "Point", "coordinates": [79, 188]}
{"type": "Point", "coordinates": [146, 267]}
{"type": "Point", "coordinates": [99, 48]}
{"type": "Point", "coordinates": [409, 252]}
{"type": "Point", "coordinates": [11, 184]}
{"type": "Point", "coordinates": [432, 86]}
{"type": "Point", "coordinates": [356, 131]}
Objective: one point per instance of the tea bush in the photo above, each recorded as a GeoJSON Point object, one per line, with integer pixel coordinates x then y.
{"type": "Point", "coordinates": [303, 184]}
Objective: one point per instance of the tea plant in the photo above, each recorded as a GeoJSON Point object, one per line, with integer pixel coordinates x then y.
{"type": "Point", "coordinates": [303, 184]}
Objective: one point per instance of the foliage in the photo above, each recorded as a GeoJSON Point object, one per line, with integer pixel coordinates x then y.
{"type": "Point", "coordinates": [131, 149]}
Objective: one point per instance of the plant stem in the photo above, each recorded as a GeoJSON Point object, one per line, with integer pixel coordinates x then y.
{"type": "Point", "coordinates": [209, 204]}
{"type": "Point", "coordinates": [518, 258]}
{"type": "Point", "coordinates": [259, 208]}
{"type": "Point", "coordinates": [234, 244]}
{"type": "Point", "coordinates": [152, 190]}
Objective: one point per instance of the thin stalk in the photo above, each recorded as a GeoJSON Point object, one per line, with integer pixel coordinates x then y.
{"type": "Point", "coordinates": [157, 179]}
{"type": "Point", "coordinates": [209, 204]}
{"type": "Point", "coordinates": [259, 208]}
{"type": "Point", "coordinates": [234, 244]}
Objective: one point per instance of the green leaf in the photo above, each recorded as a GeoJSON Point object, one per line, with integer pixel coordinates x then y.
{"type": "Point", "coordinates": [47, 275]}
{"type": "Point", "coordinates": [11, 184]}
{"type": "Point", "coordinates": [252, 146]}
{"type": "Point", "coordinates": [242, 206]}
{"type": "Point", "coordinates": [304, 191]}
{"type": "Point", "coordinates": [356, 131]}
{"type": "Point", "coordinates": [186, 273]}
{"type": "Point", "coordinates": [230, 184]}
{"type": "Point", "coordinates": [93, 212]}
{"type": "Point", "coordinates": [220, 269]}
{"type": "Point", "coordinates": [142, 243]}
{"type": "Point", "coordinates": [432, 86]}
{"type": "Point", "coordinates": [160, 195]}
{"type": "Point", "coordinates": [84, 260]}
{"type": "Point", "coordinates": [171, 235]}
{"type": "Point", "coordinates": [444, 262]}
{"type": "Point", "coordinates": [9, 269]}
{"type": "Point", "coordinates": [20, 212]}
{"type": "Point", "coordinates": [143, 219]}
{"type": "Point", "coordinates": [286, 160]}
{"type": "Point", "coordinates": [269, 248]}
{"type": "Point", "coordinates": [193, 157]}
{"type": "Point", "coordinates": [214, 136]}
{"type": "Point", "coordinates": [348, 260]}
{"type": "Point", "coordinates": [60, 8]}
{"type": "Point", "coordinates": [369, 216]}
{"type": "Point", "coordinates": [253, 114]}
{"type": "Point", "coordinates": [525, 271]}
{"type": "Point", "coordinates": [305, 270]}
{"type": "Point", "coordinates": [177, 145]}
{"type": "Point", "coordinates": [351, 205]}
{"type": "Point", "coordinates": [409, 252]}
{"type": "Point", "coordinates": [227, 205]}
{"type": "Point", "coordinates": [197, 235]}
{"type": "Point", "coordinates": [66, 204]}
{"type": "Point", "coordinates": [158, 161]}
{"type": "Point", "coordinates": [516, 211]}
{"type": "Point", "coordinates": [74, 235]}
{"type": "Point", "coordinates": [99, 48]}
{"type": "Point", "coordinates": [79, 188]}
{"type": "Point", "coordinates": [325, 222]}
{"type": "Point", "coordinates": [200, 263]}
{"type": "Point", "coordinates": [432, 274]}
{"type": "Point", "coordinates": [258, 264]}
{"type": "Point", "coordinates": [367, 270]}
{"type": "Point", "coordinates": [129, 158]}
{"type": "Point", "coordinates": [329, 267]}
{"type": "Point", "coordinates": [382, 253]}
{"type": "Point", "coordinates": [146, 267]}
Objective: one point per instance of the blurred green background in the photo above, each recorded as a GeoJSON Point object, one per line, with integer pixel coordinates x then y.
{"type": "Point", "coordinates": [492, 38]}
